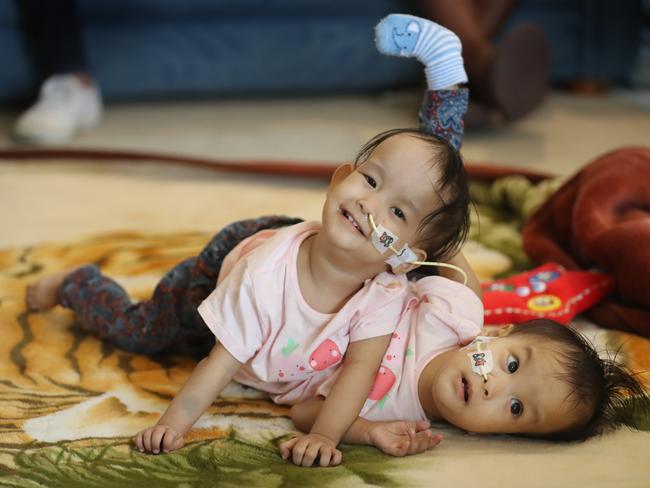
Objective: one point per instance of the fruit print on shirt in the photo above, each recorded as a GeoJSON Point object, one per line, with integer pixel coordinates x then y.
{"type": "Point", "coordinates": [386, 378]}
{"type": "Point", "coordinates": [384, 381]}
{"type": "Point", "coordinates": [325, 355]}
{"type": "Point", "coordinates": [291, 366]}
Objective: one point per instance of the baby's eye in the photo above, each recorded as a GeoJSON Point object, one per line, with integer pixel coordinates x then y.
{"type": "Point", "coordinates": [370, 180]}
{"type": "Point", "coordinates": [513, 364]}
{"type": "Point", "coordinates": [516, 407]}
{"type": "Point", "coordinates": [398, 213]}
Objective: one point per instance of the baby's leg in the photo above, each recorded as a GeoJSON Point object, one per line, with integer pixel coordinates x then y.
{"type": "Point", "coordinates": [194, 337]}
{"type": "Point", "coordinates": [104, 308]}
{"type": "Point", "coordinates": [170, 318]}
{"type": "Point", "coordinates": [439, 49]}
{"type": "Point", "coordinates": [44, 294]}
{"type": "Point", "coordinates": [441, 114]}
{"type": "Point", "coordinates": [221, 244]}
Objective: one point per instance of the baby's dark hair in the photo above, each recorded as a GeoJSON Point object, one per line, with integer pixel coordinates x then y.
{"type": "Point", "coordinates": [444, 230]}
{"type": "Point", "coordinates": [609, 393]}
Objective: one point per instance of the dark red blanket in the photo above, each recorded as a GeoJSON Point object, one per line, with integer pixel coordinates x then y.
{"type": "Point", "coordinates": [601, 218]}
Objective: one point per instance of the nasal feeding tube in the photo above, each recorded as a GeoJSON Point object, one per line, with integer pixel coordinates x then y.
{"type": "Point", "coordinates": [481, 361]}
{"type": "Point", "coordinates": [383, 239]}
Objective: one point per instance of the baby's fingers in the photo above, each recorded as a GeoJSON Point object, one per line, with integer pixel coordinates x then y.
{"type": "Point", "coordinates": [311, 453]}
{"type": "Point", "coordinates": [422, 441]}
{"type": "Point", "coordinates": [156, 438]}
{"type": "Point", "coordinates": [171, 440]}
{"type": "Point", "coordinates": [298, 452]}
{"type": "Point", "coordinates": [435, 440]}
{"type": "Point", "coordinates": [400, 449]}
{"type": "Point", "coordinates": [286, 447]}
{"type": "Point", "coordinates": [329, 456]}
{"type": "Point", "coordinates": [325, 457]}
{"type": "Point", "coordinates": [414, 441]}
{"type": "Point", "coordinates": [396, 448]}
{"type": "Point", "coordinates": [337, 457]}
{"type": "Point", "coordinates": [146, 439]}
{"type": "Point", "coordinates": [138, 441]}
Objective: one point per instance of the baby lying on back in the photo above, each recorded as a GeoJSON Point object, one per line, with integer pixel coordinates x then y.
{"type": "Point", "coordinates": [537, 379]}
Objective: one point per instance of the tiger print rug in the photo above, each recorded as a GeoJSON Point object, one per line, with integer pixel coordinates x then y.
{"type": "Point", "coordinates": [70, 403]}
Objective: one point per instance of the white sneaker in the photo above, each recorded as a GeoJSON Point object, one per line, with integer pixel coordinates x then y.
{"type": "Point", "coordinates": [64, 107]}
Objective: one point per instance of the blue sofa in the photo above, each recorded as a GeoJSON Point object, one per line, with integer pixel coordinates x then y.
{"type": "Point", "coordinates": [163, 48]}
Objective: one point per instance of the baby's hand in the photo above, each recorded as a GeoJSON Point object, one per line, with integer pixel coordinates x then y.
{"type": "Point", "coordinates": [158, 438]}
{"type": "Point", "coordinates": [403, 438]}
{"type": "Point", "coordinates": [305, 449]}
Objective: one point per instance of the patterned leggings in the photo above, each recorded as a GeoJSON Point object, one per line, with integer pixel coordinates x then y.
{"type": "Point", "coordinates": [169, 319]}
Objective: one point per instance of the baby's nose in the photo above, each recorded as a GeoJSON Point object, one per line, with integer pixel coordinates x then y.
{"type": "Point", "coordinates": [367, 208]}
{"type": "Point", "coordinates": [488, 388]}
{"type": "Point", "coordinates": [363, 205]}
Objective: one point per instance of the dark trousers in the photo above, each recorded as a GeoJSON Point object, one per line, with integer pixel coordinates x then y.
{"type": "Point", "coordinates": [53, 34]}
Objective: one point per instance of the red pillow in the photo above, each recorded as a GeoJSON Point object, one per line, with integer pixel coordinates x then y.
{"type": "Point", "coordinates": [549, 291]}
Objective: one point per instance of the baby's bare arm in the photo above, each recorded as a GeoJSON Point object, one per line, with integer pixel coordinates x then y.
{"type": "Point", "coordinates": [343, 404]}
{"type": "Point", "coordinates": [397, 438]}
{"type": "Point", "coordinates": [304, 415]}
{"type": "Point", "coordinates": [209, 378]}
{"type": "Point", "coordinates": [341, 408]}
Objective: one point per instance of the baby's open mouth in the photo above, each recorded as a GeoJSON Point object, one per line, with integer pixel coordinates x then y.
{"type": "Point", "coordinates": [349, 216]}
{"type": "Point", "coordinates": [465, 389]}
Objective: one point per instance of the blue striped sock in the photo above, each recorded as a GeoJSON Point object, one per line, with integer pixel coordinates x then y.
{"type": "Point", "coordinates": [437, 48]}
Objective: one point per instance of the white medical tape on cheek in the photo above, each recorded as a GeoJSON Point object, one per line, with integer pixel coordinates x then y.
{"type": "Point", "coordinates": [406, 255]}
{"type": "Point", "coordinates": [382, 239]}
{"type": "Point", "coordinates": [481, 360]}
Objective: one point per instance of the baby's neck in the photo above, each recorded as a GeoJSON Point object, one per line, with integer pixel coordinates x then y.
{"type": "Point", "coordinates": [326, 281]}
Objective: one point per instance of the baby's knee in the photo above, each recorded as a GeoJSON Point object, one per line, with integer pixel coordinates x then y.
{"type": "Point", "coordinates": [145, 332]}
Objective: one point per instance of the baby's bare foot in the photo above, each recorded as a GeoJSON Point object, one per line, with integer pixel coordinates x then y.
{"type": "Point", "coordinates": [43, 295]}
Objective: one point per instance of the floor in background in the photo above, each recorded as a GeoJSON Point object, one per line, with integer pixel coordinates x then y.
{"type": "Point", "coordinates": [47, 202]}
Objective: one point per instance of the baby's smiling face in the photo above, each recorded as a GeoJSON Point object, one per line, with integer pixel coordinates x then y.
{"type": "Point", "coordinates": [396, 184]}
{"type": "Point", "coordinates": [524, 392]}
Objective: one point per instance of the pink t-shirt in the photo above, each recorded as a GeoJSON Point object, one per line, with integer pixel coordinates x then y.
{"type": "Point", "coordinates": [257, 312]}
{"type": "Point", "coordinates": [441, 314]}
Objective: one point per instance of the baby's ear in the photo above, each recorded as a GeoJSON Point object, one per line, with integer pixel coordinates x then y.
{"type": "Point", "coordinates": [340, 173]}
{"type": "Point", "coordinates": [406, 267]}
{"type": "Point", "coordinates": [500, 331]}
